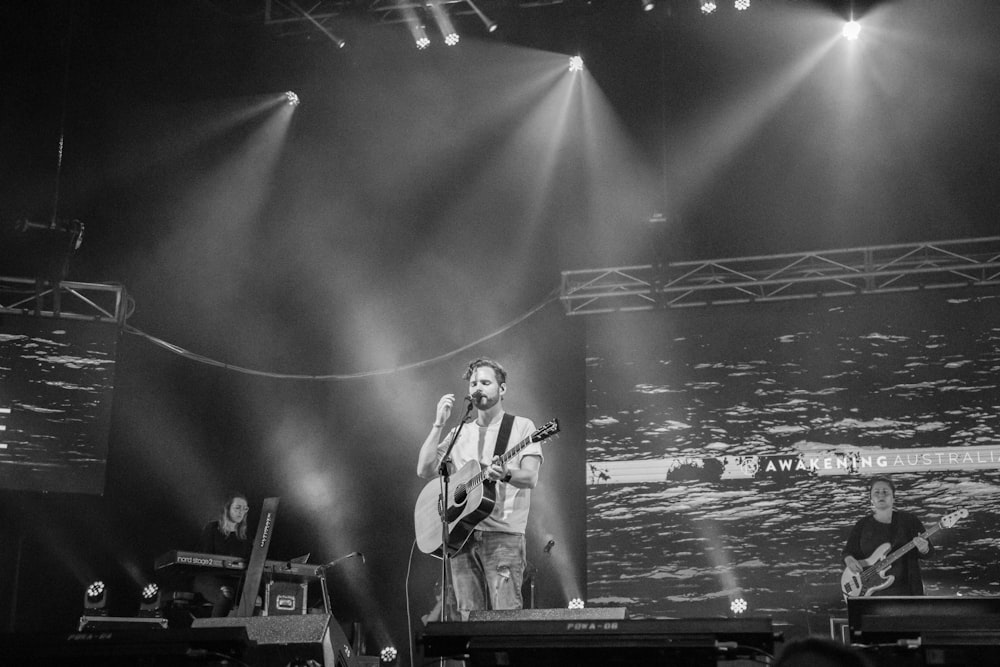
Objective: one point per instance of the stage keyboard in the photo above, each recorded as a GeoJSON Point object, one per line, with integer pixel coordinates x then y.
{"type": "Point", "coordinates": [200, 561]}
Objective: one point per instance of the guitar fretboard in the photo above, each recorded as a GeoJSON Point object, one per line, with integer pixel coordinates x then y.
{"type": "Point", "coordinates": [550, 429]}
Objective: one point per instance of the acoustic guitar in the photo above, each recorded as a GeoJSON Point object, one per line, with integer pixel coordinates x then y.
{"type": "Point", "coordinates": [471, 498]}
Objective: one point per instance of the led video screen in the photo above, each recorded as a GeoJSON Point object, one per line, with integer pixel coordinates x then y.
{"type": "Point", "coordinates": [56, 389]}
{"type": "Point", "coordinates": [728, 448]}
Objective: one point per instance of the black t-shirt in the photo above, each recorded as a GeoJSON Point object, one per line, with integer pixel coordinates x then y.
{"type": "Point", "coordinates": [213, 541]}
{"type": "Point", "coordinates": [868, 534]}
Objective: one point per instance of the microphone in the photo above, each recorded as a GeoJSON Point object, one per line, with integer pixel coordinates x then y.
{"type": "Point", "coordinates": [337, 561]}
{"type": "Point", "coordinates": [474, 397]}
{"type": "Point", "coordinates": [549, 545]}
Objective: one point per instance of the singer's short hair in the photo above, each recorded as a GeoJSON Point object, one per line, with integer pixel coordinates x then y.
{"type": "Point", "coordinates": [482, 361]}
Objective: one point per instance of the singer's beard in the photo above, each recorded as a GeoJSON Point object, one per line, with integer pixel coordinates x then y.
{"type": "Point", "coordinates": [487, 402]}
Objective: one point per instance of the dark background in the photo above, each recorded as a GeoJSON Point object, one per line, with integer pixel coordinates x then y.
{"type": "Point", "coordinates": [406, 214]}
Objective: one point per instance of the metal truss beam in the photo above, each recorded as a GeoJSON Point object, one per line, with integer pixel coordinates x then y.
{"type": "Point", "coordinates": [94, 302]}
{"type": "Point", "coordinates": [322, 14]}
{"type": "Point", "coordinates": [808, 275]}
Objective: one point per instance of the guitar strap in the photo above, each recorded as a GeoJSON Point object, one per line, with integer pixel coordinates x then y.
{"type": "Point", "coordinates": [506, 426]}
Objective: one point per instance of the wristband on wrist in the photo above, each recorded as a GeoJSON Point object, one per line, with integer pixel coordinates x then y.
{"type": "Point", "coordinates": [435, 424]}
{"type": "Point", "coordinates": [506, 478]}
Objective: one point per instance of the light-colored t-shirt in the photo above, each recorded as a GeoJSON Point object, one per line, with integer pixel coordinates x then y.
{"type": "Point", "coordinates": [476, 443]}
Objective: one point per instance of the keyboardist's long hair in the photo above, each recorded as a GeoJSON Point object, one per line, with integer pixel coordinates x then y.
{"type": "Point", "coordinates": [241, 527]}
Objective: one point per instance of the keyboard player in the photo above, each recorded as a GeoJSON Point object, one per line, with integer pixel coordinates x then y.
{"type": "Point", "coordinates": [225, 536]}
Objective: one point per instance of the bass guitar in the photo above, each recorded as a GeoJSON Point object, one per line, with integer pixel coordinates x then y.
{"type": "Point", "coordinates": [873, 576]}
{"type": "Point", "coordinates": [471, 498]}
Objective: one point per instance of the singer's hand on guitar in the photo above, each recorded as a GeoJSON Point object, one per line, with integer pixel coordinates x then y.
{"type": "Point", "coordinates": [444, 409]}
{"type": "Point", "coordinates": [497, 471]}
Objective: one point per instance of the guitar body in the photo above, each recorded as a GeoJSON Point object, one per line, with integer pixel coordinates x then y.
{"type": "Point", "coordinates": [868, 581]}
{"type": "Point", "coordinates": [468, 505]}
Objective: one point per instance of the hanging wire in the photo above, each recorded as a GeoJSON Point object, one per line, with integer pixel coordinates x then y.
{"type": "Point", "coordinates": [193, 356]}
{"type": "Point", "coordinates": [68, 49]}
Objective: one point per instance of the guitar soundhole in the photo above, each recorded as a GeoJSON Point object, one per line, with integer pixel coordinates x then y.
{"type": "Point", "coordinates": [461, 493]}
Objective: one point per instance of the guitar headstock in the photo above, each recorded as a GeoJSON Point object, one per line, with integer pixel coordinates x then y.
{"type": "Point", "coordinates": [547, 430]}
{"type": "Point", "coordinates": [949, 520]}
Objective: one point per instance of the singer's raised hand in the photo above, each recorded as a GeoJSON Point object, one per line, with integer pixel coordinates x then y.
{"type": "Point", "coordinates": [444, 409]}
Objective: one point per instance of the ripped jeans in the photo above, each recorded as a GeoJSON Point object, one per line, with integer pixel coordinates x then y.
{"type": "Point", "coordinates": [488, 571]}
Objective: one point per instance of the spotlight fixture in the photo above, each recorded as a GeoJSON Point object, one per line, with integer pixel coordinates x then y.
{"type": "Point", "coordinates": [420, 37]}
{"type": "Point", "coordinates": [443, 22]}
{"type": "Point", "coordinates": [149, 601]}
{"type": "Point", "coordinates": [707, 6]}
{"type": "Point", "coordinates": [576, 603]}
{"type": "Point", "coordinates": [388, 655]}
{"type": "Point", "coordinates": [741, 5]}
{"type": "Point", "coordinates": [648, 5]}
{"type": "Point", "coordinates": [491, 26]}
{"type": "Point", "coordinates": [417, 29]}
{"type": "Point", "coordinates": [95, 599]}
{"type": "Point", "coordinates": [851, 30]}
{"type": "Point", "coordinates": [738, 606]}
{"type": "Point", "coordinates": [292, 99]}
{"type": "Point", "coordinates": [575, 64]}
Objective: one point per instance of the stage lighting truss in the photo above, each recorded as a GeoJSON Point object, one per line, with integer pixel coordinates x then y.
{"type": "Point", "coordinates": [294, 17]}
{"type": "Point", "coordinates": [958, 264]}
{"type": "Point", "coordinates": [94, 302]}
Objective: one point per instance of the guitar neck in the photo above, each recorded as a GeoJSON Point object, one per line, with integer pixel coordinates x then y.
{"type": "Point", "coordinates": [504, 459]}
{"type": "Point", "coordinates": [905, 549]}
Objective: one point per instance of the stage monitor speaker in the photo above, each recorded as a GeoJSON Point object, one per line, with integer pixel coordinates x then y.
{"type": "Point", "coordinates": [283, 640]}
{"type": "Point", "coordinates": [597, 642]}
{"type": "Point", "coordinates": [128, 647]}
{"type": "Point", "coordinates": [559, 614]}
{"type": "Point", "coordinates": [891, 618]}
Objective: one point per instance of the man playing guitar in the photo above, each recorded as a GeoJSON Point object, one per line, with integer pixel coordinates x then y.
{"type": "Point", "coordinates": [488, 568]}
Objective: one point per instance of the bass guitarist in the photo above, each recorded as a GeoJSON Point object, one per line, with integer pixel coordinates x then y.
{"type": "Point", "coordinates": [488, 569]}
{"type": "Point", "coordinates": [888, 526]}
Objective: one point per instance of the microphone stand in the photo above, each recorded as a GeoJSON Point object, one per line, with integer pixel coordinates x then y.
{"type": "Point", "coordinates": [445, 476]}
{"type": "Point", "coordinates": [322, 570]}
